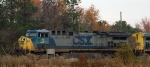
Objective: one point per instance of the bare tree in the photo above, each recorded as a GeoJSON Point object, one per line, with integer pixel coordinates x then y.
{"type": "Point", "coordinates": [144, 25]}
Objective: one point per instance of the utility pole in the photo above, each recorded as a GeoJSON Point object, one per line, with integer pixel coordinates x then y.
{"type": "Point", "coordinates": [120, 21]}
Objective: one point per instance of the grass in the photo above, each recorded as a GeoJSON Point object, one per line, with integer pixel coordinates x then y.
{"type": "Point", "coordinates": [31, 60]}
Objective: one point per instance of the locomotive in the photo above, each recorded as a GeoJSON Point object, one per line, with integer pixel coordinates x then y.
{"type": "Point", "coordinates": [142, 41]}
{"type": "Point", "coordinates": [37, 41]}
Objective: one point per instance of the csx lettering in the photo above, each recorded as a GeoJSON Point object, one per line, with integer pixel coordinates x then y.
{"type": "Point", "coordinates": [82, 40]}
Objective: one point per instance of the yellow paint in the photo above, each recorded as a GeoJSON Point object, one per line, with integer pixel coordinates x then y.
{"type": "Point", "coordinates": [139, 41]}
{"type": "Point", "coordinates": [26, 43]}
{"type": "Point", "coordinates": [43, 41]}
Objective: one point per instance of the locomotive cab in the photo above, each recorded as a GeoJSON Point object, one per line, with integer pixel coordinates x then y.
{"type": "Point", "coordinates": [34, 41]}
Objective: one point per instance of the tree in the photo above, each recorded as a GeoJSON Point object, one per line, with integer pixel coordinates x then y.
{"type": "Point", "coordinates": [125, 54]}
{"type": "Point", "coordinates": [36, 2]}
{"type": "Point", "coordinates": [60, 15]}
{"type": "Point", "coordinates": [17, 18]}
{"type": "Point", "coordinates": [81, 23]}
{"type": "Point", "coordinates": [23, 16]}
{"type": "Point", "coordinates": [123, 27]}
{"type": "Point", "coordinates": [144, 25]}
{"type": "Point", "coordinates": [138, 26]}
{"type": "Point", "coordinates": [3, 16]}
{"type": "Point", "coordinates": [91, 18]}
{"type": "Point", "coordinates": [38, 13]}
{"type": "Point", "coordinates": [104, 26]}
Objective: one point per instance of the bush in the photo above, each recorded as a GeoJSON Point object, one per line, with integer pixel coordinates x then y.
{"type": "Point", "coordinates": [83, 61]}
{"type": "Point", "coordinates": [125, 54]}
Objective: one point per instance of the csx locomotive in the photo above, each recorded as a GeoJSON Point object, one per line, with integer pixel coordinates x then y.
{"type": "Point", "coordinates": [36, 41]}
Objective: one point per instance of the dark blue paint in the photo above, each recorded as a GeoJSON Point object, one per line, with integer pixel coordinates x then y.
{"type": "Point", "coordinates": [88, 40]}
{"type": "Point", "coordinates": [37, 31]}
{"type": "Point", "coordinates": [80, 40]}
{"type": "Point", "coordinates": [82, 47]}
{"type": "Point", "coordinates": [52, 42]}
{"type": "Point", "coordinates": [34, 41]}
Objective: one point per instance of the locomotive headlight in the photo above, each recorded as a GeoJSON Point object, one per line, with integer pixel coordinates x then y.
{"type": "Point", "coordinates": [21, 42]}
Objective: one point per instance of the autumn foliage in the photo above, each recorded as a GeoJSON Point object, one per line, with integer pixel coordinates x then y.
{"type": "Point", "coordinates": [103, 26]}
{"type": "Point", "coordinates": [83, 61]}
{"type": "Point", "coordinates": [125, 54]}
{"type": "Point", "coordinates": [144, 25]}
{"type": "Point", "coordinates": [91, 17]}
{"type": "Point", "coordinates": [36, 2]}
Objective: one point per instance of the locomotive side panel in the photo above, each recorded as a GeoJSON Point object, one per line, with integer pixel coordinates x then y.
{"type": "Point", "coordinates": [100, 41]}
{"type": "Point", "coordinates": [76, 41]}
{"type": "Point", "coordinates": [89, 41]}
{"type": "Point", "coordinates": [62, 42]}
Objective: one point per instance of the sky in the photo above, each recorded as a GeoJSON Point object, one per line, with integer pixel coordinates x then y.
{"type": "Point", "coordinates": [133, 11]}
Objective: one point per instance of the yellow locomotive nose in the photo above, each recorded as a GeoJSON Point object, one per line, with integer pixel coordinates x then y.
{"type": "Point", "coordinates": [25, 43]}
{"type": "Point", "coordinates": [21, 41]}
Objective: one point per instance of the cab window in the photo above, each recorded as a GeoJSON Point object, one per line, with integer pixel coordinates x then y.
{"type": "Point", "coordinates": [42, 34]}
{"type": "Point", "coordinates": [31, 34]}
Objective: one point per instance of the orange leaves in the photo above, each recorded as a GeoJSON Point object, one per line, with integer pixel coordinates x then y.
{"type": "Point", "coordinates": [92, 14]}
{"type": "Point", "coordinates": [83, 61]}
{"type": "Point", "coordinates": [89, 20]}
{"type": "Point", "coordinates": [91, 17]}
{"type": "Point", "coordinates": [62, 5]}
{"type": "Point", "coordinates": [103, 26]}
{"type": "Point", "coordinates": [36, 2]}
